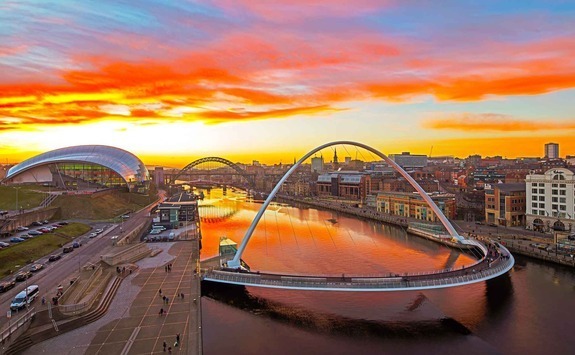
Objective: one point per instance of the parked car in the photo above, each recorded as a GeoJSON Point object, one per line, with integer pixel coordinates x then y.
{"type": "Point", "coordinates": [67, 249]}
{"type": "Point", "coordinates": [2, 213]}
{"type": "Point", "coordinates": [34, 232]}
{"type": "Point", "coordinates": [4, 245]}
{"type": "Point", "coordinates": [76, 244]}
{"type": "Point", "coordinates": [63, 223]}
{"type": "Point", "coordinates": [22, 276]}
{"type": "Point", "coordinates": [45, 221]}
{"type": "Point", "coordinates": [93, 235]}
{"type": "Point", "coordinates": [16, 240]}
{"type": "Point", "coordinates": [36, 267]}
{"type": "Point", "coordinates": [24, 236]}
{"type": "Point", "coordinates": [44, 230]}
{"type": "Point", "coordinates": [54, 257]}
{"type": "Point", "coordinates": [98, 231]}
{"type": "Point", "coordinates": [36, 224]}
{"type": "Point", "coordinates": [6, 285]}
{"type": "Point", "coordinates": [22, 229]}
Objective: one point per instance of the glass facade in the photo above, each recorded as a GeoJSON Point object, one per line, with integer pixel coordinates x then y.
{"type": "Point", "coordinates": [99, 164]}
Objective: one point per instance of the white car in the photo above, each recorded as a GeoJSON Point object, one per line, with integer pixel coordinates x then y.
{"type": "Point", "coordinates": [22, 229]}
{"type": "Point", "coordinates": [93, 235]}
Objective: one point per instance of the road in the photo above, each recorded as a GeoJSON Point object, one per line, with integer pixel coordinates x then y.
{"type": "Point", "coordinates": [55, 272]}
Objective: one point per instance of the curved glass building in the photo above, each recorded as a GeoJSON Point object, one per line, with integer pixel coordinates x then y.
{"type": "Point", "coordinates": [84, 166]}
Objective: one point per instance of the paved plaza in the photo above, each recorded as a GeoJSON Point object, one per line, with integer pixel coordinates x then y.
{"type": "Point", "coordinates": [138, 327]}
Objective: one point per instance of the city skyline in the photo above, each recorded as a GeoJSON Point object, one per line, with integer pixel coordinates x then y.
{"type": "Point", "coordinates": [253, 80]}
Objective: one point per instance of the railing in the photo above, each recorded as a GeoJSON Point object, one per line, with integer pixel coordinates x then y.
{"type": "Point", "coordinates": [381, 283]}
{"type": "Point", "coordinates": [13, 326]}
{"type": "Point", "coordinates": [71, 309]}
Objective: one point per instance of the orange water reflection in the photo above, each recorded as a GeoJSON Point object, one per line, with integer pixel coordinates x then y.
{"type": "Point", "coordinates": [310, 241]}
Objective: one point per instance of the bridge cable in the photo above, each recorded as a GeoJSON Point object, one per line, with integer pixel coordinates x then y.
{"type": "Point", "coordinates": [293, 229]}
{"type": "Point", "coordinates": [278, 230]}
{"type": "Point", "coordinates": [311, 233]}
{"type": "Point", "coordinates": [329, 233]}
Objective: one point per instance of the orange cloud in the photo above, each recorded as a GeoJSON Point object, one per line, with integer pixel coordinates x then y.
{"type": "Point", "coordinates": [492, 122]}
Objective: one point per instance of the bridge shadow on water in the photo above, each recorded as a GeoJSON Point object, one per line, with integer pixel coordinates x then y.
{"type": "Point", "coordinates": [333, 324]}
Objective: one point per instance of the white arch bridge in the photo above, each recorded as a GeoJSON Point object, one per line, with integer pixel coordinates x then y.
{"type": "Point", "coordinates": [493, 258]}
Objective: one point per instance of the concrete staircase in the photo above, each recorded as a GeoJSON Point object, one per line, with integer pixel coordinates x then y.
{"type": "Point", "coordinates": [37, 335]}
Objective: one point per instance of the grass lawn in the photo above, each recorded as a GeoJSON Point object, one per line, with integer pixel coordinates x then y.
{"type": "Point", "coordinates": [34, 248]}
{"type": "Point", "coordinates": [28, 196]}
{"type": "Point", "coordinates": [103, 207]}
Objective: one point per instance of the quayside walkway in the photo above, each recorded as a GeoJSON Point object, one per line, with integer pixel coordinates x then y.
{"type": "Point", "coordinates": [497, 263]}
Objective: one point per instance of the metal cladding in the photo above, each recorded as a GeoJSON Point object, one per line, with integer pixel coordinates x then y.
{"type": "Point", "coordinates": [124, 163]}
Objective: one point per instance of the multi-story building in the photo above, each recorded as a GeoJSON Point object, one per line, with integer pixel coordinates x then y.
{"type": "Point", "coordinates": [412, 205]}
{"type": "Point", "coordinates": [550, 200]}
{"type": "Point", "coordinates": [317, 164]}
{"type": "Point", "coordinates": [552, 151]}
{"type": "Point", "coordinates": [178, 210]}
{"type": "Point", "coordinates": [352, 185]}
{"type": "Point", "coordinates": [505, 204]}
{"type": "Point", "coordinates": [409, 161]}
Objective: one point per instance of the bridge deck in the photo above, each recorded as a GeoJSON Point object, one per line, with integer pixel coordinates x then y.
{"type": "Point", "coordinates": [500, 262]}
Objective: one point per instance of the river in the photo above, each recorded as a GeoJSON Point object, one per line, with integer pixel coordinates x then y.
{"type": "Point", "coordinates": [527, 311]}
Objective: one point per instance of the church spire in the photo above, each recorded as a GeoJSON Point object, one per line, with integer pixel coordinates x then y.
{"type": "Point", "coordinates": [335, 157]}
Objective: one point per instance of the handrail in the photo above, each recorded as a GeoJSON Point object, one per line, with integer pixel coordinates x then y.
{"type": "Point", "coordinates": [13, 326]}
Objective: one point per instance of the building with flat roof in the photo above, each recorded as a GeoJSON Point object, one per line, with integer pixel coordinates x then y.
{"type": "Point", "coordinates": [83, 167]}
{"type": "Point", "coordinates": [552, 151]}
{"type": "Point", "coordinates": [351, 185]}
{"type": "Point", "coordinates": [505, 204]}
{"type": "Point", "coordinates": [551, 200]}
{"type": "Point", "coordinates": [178, 210]}
{"type": "Point", "coordinates": [409, 161]}
{"type": "Point", "coordinates": [412, 205]}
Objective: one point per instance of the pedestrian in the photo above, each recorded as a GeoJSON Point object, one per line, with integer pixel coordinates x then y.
{"type": "Point", "coordinates": [178, 338]}
{"type": "Point", "coordinates": [123, 269]}
{"type": "Point", "coordinates": [167, 300]}
{"type": "Point", "coordinates": [169, 349]}
{"type": "Point", "coordinates": [160, 291]}
{"type": "Point", "coordinates": [165, 344]}
{"type": "Point", "coordinates": [43, 300]}
{"type": "Point", "coordinates": [164, 299]}
{"type": "Point", "coordinates": [161, 311]}
{"type": "Point", "coordinates": [182, 295]}
{"type": "Point", "coordinates": [166, 268]}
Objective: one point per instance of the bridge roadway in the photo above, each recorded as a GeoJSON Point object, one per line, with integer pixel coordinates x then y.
{"type": "Point", "coordinates": [498, 261]}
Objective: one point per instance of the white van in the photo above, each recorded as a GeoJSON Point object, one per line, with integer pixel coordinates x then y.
{"type": "Point", "coordinates": [25, 297]}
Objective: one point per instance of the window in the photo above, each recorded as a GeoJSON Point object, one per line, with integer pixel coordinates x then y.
{"type": "Point", "coordinates": [562, 200]}
{"type": "Point", "coordinates": [541, 191]}
{"type": "Point", "coordinates": [562, 185]}
{"type": "Point", "coordinates": [541, 205]}
{"type": "Point", "coordinates": [542, 213]}
{"type": "Point", "coordinates": [555, 199]}
{"type": "Point", "coordinates": [562, 208]}
{"type": "Point", "coordinates": [554, 191]}
{"type": "Point", "coordinates": [554, 207]}
{"type": "Point", "coordinates": [541, 184]}
{"type": "Point", "coordinates": [563, 193]}
{"type": "Point", "coordinates": [533, 191]}
{"type": "Point", "coordinates": [534, 205]}
{"type": "Point", "coordinates": [554, 185]}
{"type": "Point", "coordinates": [541, 198]}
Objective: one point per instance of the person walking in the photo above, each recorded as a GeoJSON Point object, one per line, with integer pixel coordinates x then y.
{"type": "Point", "coordinates": [167, 300]}
{"type": "Point", "coordinates": [178, 338]}
{"type": "Point", "coordinates": [165, 345]}
{"type": "Point", "coordinates": [43, 300]}
{"type": "Point", "coordinates": [160, 292]}
{"type": "Point", "coordinates": [161, 311]}
{"type": "Point", "coordinates": [182, 295]}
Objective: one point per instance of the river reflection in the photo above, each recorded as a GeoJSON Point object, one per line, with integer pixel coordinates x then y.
{"type": "Point", "coordinates": [478, 319]}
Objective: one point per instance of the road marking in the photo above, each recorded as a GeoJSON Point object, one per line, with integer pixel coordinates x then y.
{"type": "Point", "coordinates": [130, 342]}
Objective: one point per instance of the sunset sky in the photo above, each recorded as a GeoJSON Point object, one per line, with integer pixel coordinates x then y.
{"type": "Point", "coordinates": [173, 81]}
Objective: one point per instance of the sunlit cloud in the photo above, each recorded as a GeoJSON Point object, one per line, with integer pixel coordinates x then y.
{"type": "Point", "coordinates": [493, 122]}
{"type": "Point", "coordinates": [244, 61]}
